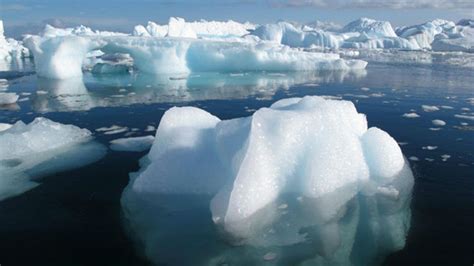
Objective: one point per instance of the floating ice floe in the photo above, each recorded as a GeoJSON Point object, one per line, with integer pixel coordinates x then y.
{"type": "Point", "coordinates": [468, 117]}
{"type": "Point", "coordinates": [438, 122]}
{"type": "Point", "coordinates": [114, 129]}
{"type": "Point", "coordinates": [430, 148]}
{"type": "Point", "coordinates": [150, 128]}
{"type": "Point", "coordinates": [8, 98]}
{"type": "Point", "coordinates": [429, 108]}
{"type": "Point", "coordinates": [136, 144]}
{"type": "Point", "coordinates": [411, 115]}
{"type": "Point", "coordinates": [296, 181]}
{"type": "Point", "coordinates": [30, 151]}
{"type": "Point", "coordinates": [445, 157]}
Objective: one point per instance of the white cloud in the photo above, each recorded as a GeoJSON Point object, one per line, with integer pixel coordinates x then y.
{"type": "Point", "coordinates": [392, 4]}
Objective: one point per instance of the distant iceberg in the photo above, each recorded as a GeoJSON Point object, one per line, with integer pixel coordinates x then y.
{"type": "Point", "coordinates": [10, 48]}
{"type": "Point", "coordinates": [61, 56]}
{"type": "Point", "coordinates": [305, 177]}
{"type": "Point", "coordinates": [181, 47]}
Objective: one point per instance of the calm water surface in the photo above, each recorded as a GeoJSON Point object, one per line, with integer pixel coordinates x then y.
{"type": "Point", "coordinates": [75, 218]}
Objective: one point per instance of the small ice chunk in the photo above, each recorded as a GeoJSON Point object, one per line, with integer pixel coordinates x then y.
{"type": "Point", "coordinates": [447, 107]}
{"type": "Point", "coordinates": [411, 115]}
{"type": "Point", "coordinates": [364, 89]}
{"type": "Point", "coordinates": [136, 144]}
{"type": "Point", "coordinates": [8, 98]}
{"type": "Point", "coordinates": [41, 92]}
{"type": "Point", "coordinates": [414, 158]}
{"type": "Point", "coordinates": [438, 122]}
{"type": "Point", "coordinates": [269, 256]}
{"type": "Point", "coordinates": [430, 148]}
{"type": "Point", "coordinates": [429, 108]}
{"type": "Point", "coordinates": [445, 157]}
{"type": "Point", "coordinates": [468, 117]}
{"type": "Point", "coordinates": [150, 128]}
{"type": "Point", "coordinates": [113, 127]}
{"type": "Point", "coordinates": [377, 95]}
{"type": "Point", "coordinates": [116, 131]}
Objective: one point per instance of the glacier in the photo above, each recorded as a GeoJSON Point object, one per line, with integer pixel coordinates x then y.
{"type": "Point", "coordinates": [30, 151]}
{"type": "Point", "coordinates": [305, 174]}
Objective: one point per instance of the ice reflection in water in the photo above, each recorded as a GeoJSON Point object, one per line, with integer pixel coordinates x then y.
{"type": "Point", "coordinates": [122, 90]}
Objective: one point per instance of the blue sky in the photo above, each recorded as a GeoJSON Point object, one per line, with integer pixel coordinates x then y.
{"type": "Point", "coordinates": [21, 16]}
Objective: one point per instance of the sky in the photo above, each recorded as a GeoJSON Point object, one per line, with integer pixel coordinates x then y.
{"type": "Point", "coordinates": [30, 16]}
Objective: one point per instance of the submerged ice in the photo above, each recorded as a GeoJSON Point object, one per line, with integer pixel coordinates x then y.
{"type": "Point", "coordinates": [30, 151]}
{"type": "Point", "coordinates": [304, 180]}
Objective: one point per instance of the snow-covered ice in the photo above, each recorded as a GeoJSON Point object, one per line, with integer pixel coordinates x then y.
{"type": "Point", "coordinates": [309, 154]}
{"type": "Point", "coordinates": [135, 144]}
{"type": "Point", "coordinates": [29, 151]}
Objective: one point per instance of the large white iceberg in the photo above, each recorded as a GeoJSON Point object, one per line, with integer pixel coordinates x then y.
{"type": "Point", "coordinates": [304, 174]}
{"type": "Point", "coordinates": [62, 57]}
{"type": "Point", "coordinates": [30, 151]}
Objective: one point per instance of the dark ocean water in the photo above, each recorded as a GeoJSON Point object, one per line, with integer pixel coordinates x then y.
{"type": "Point", "coordinates": [74, 217]}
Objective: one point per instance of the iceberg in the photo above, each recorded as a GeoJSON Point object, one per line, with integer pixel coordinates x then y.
{"type": "Point", "coordinates": [61, 57]}
{"type": "Point", "coordinates": [424, 34]}
{"type": "Point", "coordinates": [304, 180]}
{"type": "Point", "coordinates": [178, 27]}
{"type": "Point", "coordinates": [462, 41]}
{"type": "Point", "coordinates": [30, 151]}
{"type": "Point", "coordinates": [10, 48]}
{"type": "Point", "coordinates": [363, 33]}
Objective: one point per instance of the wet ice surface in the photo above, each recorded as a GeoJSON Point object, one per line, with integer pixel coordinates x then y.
{"type": "Point", "coordinates": [77, 212]}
